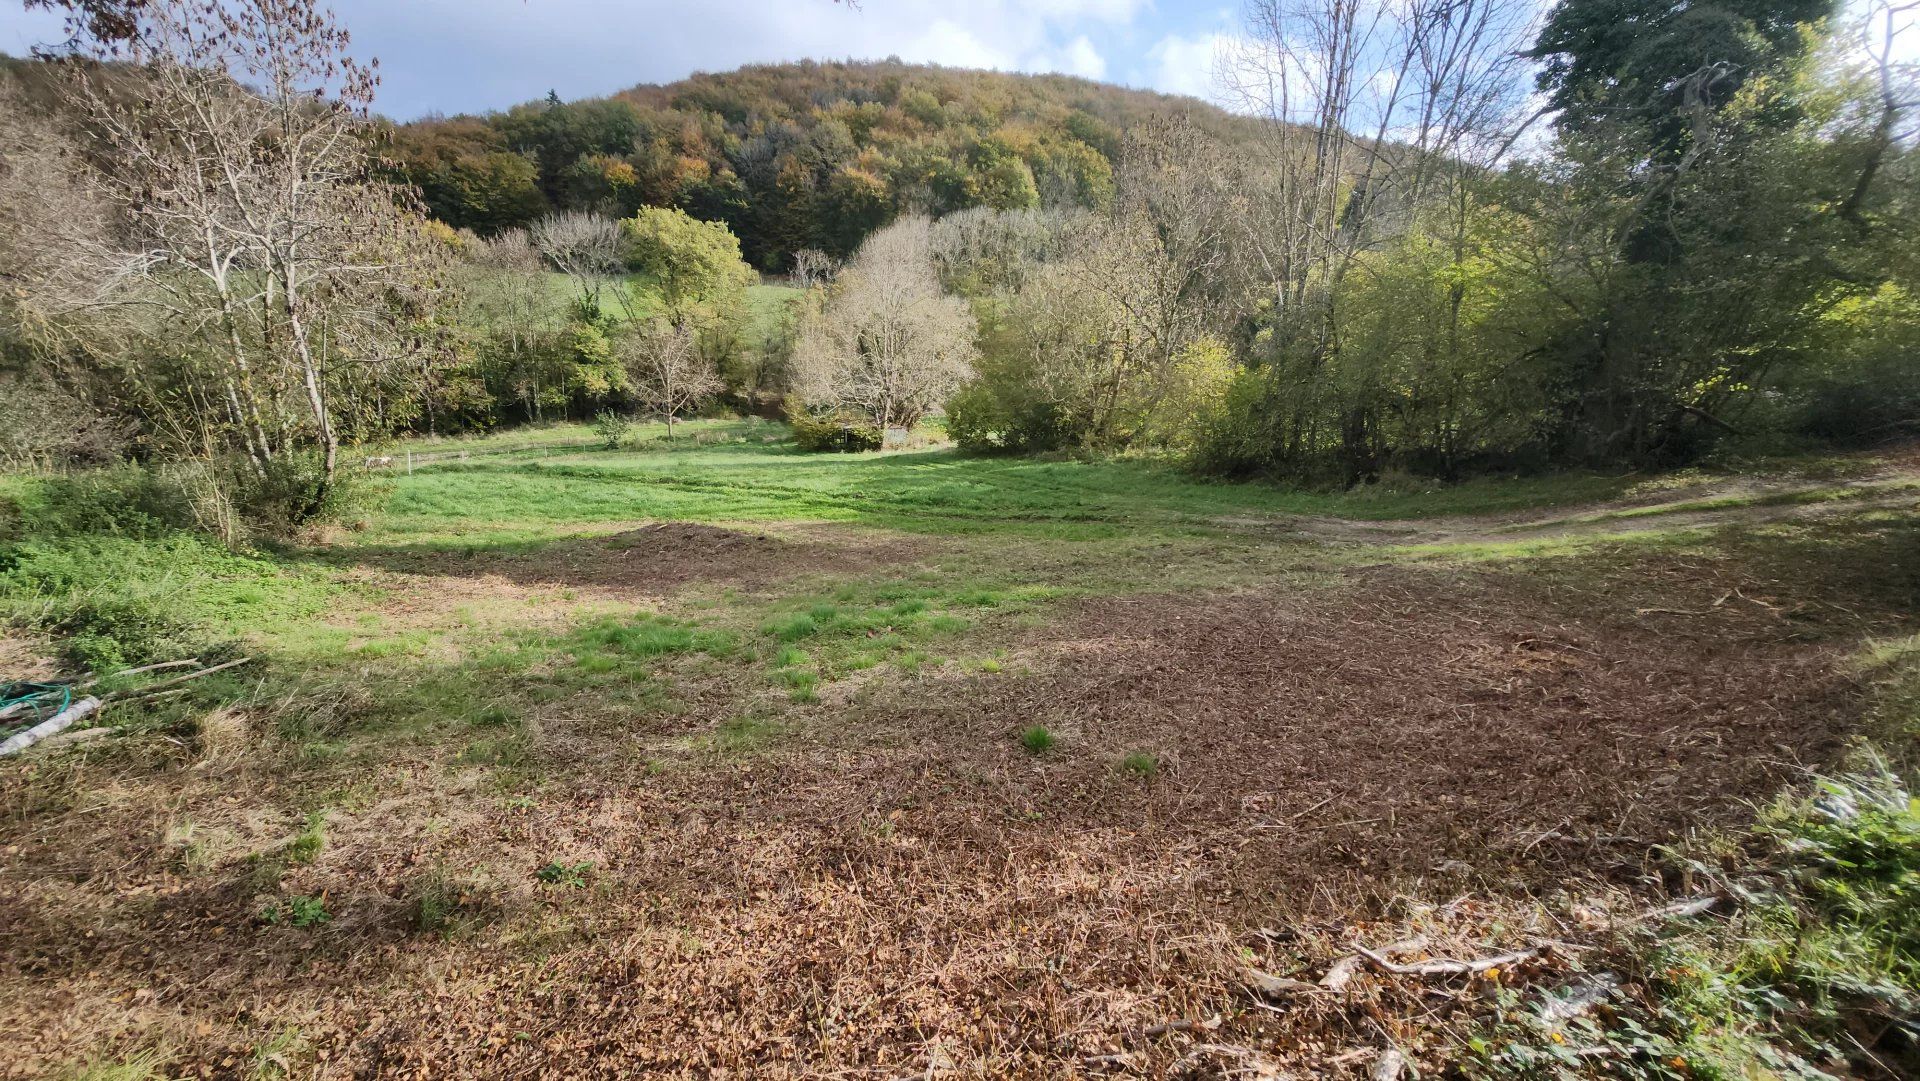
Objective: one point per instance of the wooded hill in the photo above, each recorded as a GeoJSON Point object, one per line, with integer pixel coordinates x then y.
{"type": "Point", "coordinates": [794, 156]}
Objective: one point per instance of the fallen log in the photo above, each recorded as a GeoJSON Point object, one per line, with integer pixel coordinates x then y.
{"type": "Point", "coordinates": [73, 737]}
{"type": "Point", "coordinates": [20, 741]}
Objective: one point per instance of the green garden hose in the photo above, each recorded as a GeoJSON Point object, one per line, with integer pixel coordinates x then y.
{"type": "Point", "coordinates": [37, 697]}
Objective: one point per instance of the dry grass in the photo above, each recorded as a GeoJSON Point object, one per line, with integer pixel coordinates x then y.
{"type": "Point", "coordinates": [884, 883]}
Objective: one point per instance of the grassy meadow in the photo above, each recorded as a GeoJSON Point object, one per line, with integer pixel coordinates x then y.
{"type": "Point", "coordinates": [996, 762]}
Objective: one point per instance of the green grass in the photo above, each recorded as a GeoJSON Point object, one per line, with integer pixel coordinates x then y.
{"type": "Point", "coordinates": [766, 305]}
{"type": "Point", "coordinates": [516, 486]}
{"type": "Point", "coordinates": [572, 876]}
{"type": "Point", "coordinates": [306, 845]}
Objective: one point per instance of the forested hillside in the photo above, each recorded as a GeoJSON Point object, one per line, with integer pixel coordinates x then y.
{"type": "Point", "coordinates": [794, 156]}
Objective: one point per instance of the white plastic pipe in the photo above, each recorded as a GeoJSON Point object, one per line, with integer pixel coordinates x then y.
{"type": "Point", "coordinates": [20, 741]}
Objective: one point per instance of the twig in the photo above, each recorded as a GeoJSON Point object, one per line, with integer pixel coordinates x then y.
{"type": "Point", "coordinates": [165, 683]}
{"type": "Point", "coordinates": [1443, 967]}
{"type": "Point", "coordinates": [1268, 986]}
{"type": "Point", "coordinates": [1341, 972]}
{"type": "Point", "coordinates": [1179, 1025]}
{"type": "Point", "coordinates": [141, 669]}
{"type": "Point", "coordinates": [1691, 907]}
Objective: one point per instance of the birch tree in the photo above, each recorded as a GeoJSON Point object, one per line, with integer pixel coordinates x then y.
{"type": "Point", "coordinates": [1367, 104]}
{"type": "Point", "coordinates": [254, 238]}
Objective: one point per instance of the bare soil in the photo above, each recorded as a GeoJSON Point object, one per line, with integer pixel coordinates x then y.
{"type": "Point", "coordinates": [657, 559]}
{"type": "Point", "coordinates": [892, 886]}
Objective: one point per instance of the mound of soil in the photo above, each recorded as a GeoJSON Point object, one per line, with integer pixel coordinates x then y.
{"type": "Point", "coordinates": [659, 559]}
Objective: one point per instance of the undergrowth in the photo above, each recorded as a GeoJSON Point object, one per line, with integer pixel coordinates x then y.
{"type": "Point", "coordinates": [1808, 965]}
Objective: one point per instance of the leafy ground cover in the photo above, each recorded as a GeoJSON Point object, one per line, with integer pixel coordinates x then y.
{"type": "Point", "coordinates": [706, 756]}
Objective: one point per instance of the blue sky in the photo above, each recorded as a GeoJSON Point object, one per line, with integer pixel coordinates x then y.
{"type": "Point", "coordinates": [471, 55]}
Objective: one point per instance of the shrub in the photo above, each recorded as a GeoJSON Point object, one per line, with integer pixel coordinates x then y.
{"type": "Point", "coordinates": [291, 493]}
{"type": "Point", "coordinates": [612, 428]}
{"type": "Point", "coordinates": [833, 433]}
{"type": "Point", "coordinates": [110, 633]}
{"type": "Point", "coordinates": [994, 416]}
{"type": "Point", "coordinates": [128, 501]}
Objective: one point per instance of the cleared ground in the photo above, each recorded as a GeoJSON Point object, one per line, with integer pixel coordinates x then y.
{"type": "Point", "coordinates": [716, 759]}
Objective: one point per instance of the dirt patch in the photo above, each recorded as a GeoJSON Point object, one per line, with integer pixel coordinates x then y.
{"type": "Point", "coordinates": [24, 657]}
{"type": "Point", "coordinates": [894, 887]}
{"type": "Point", "coordinates": [660, 559]}
{"type": "Point", "coordinates": [1748, 501]}
{"type": "Point", "coordinates": [1398, 732]}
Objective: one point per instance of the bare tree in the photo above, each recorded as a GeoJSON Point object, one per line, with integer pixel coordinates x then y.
{"type": "Point", "coordinates": [1367, 101]}
{"type": "Point", "coordinates": [887, 343]}
{"type": "Point", "coordinates": [812, 267]}
{"type": "Point", "coordinates": [254, 228]}
{"type": "Point", "coordinates": [667, 372]}
{"type": "Point", "coordinates": [509, 294]}
{"type": "Point", "coordinates": [585, 247]}
{"type": "Point", "coordinates": [1162, 263]}
{"type": "Point", "coordinates": [1896, 89]}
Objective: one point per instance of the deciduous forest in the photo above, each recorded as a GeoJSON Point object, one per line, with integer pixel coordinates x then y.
{"type": "Point", "coordinates": [876, 570]}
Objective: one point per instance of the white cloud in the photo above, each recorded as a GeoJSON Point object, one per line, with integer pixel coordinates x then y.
{"type": "Point", "coordinates": [955, 46]}
{"type": "Point", "coordinates": [1109, 11]}
{"type": "Point", "coordinates": [1186, 65]}
{"type": "Point", "coordinates": [1080, 57]}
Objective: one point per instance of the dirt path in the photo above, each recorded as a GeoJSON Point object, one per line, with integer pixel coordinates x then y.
{"type": "Point", "coordinates": [1742, 501]}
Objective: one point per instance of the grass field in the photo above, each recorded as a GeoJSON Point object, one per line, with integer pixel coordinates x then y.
{"type": "Point", "coordinates": [707, 757]}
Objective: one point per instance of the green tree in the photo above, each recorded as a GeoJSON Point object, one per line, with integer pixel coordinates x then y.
{"type": "Point", "coordinates": [1656, 66]}
{"type": "Point", "coordinates": [692, 263]}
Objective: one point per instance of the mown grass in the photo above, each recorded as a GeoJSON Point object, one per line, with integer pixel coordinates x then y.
{"type": "Point", "coordinates": [1022, 534]}
{"type": "Point", "coordinates": [1015, 537]}
{"type": "Point", "coordinates": [519, 496]}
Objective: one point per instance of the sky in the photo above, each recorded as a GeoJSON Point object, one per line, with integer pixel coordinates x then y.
{"type": "Point", "coordinates": [451, 56]}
